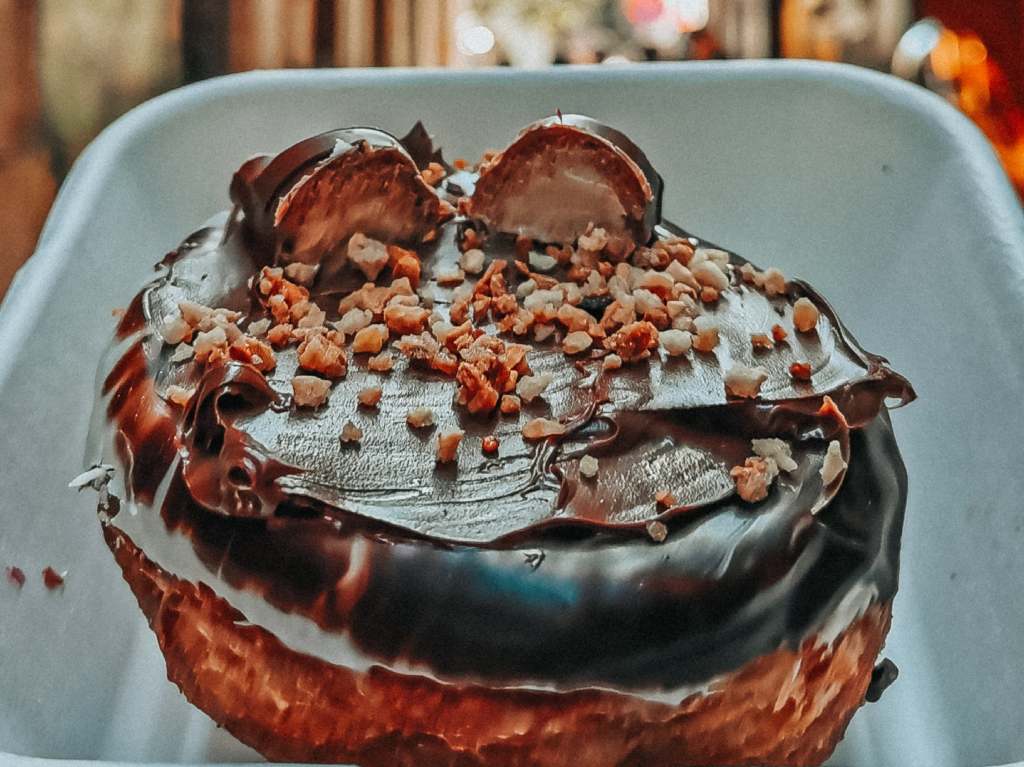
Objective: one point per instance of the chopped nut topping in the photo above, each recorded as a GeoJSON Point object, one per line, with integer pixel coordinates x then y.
{"type": "Point", "coordinates": [657, 531]}
{"type": "Point", "coordinates": [800, 371]}
{"type": "Point", "coordinates": [542, 332]}
{"type": "Point", "coordinates": [490, 444]}
{"type": "Point", "coordinates": [381, 363]}
{"type": "Point", "coordinates": [182, 352]}
{"type": "Point", "coordinates": [174, 330]}
{"type": "Point", "coordinates": [709, 275]}
{"type": "Point", "coordinates": [179, 395]}
{"type": "Point", "coordinates": [834, 465]}
{"type": "Point", "coordinates": [577, 342]}
{"type": "Point", "coordinates": [302, 274]}
{"type": "Point", "coordinates": [369, 255]}
{"type": "Point", "coordinates": [707, 333]}
{"type": "Point", "coordinates": [675, 342]}
{"type": "Point", "coordinates": [470, 239]}
{"type": "Point", "coordinates": [612, 362]}
{"type": "Point", "coordinates": [259, 327]}
{"type": "Point", "coordinates": [404, 263]}
{"type": "Point", "coordinates": [753, 478]}
{"type": "Point", "coordinates": [774, 282]}
{"type": "Point", "coordinates": [634, 341]}
{"type": "Point", "coordinates": [211, 346]}
{"type": "Point", "coordinates": [452, 277]}
{"type": "Point", "coordinates": [761, 341]}
{"type": "Point", "coordinates": [531, 387]}
{"type": "Point", "coordinates": [420, 417]}
{"type": "Point", "coordinates": [402, 319]}
{"type": "Point", "coordinates": [776, 450]}
{"type": "Point", "coordinates": [510, 404]}
{"type": "Point", "coordinates": [594, 241]}
{"type": "Point", "coordinates": [370, 339]}
{"type": "Point", "coordinates": [743, 381]}
{"type": "Point", "coordinates": [805, 315]}
{"type": "Point", "coordinates": [433, 173]}
{"type": "Point", "coordinates": [319, 354]}
{"type": "Point", "coordinates": [310, 391]}
{"type": "Point", "coordinates": [588, 466]}
{"type": "Point", "coordinates": [708, 295]}
{"type": "Point", "coordinates": [779, 333]}
{"type": "Point", "coordinates": [665, 499]}
{"type": "Point", "coordinates": [280, 335]}
{"type": "Point", "coordinates": [370, 396]}
{"type": "Point", "coordinates": [542, 428]}
{"type": "Point", "coordinates": [448, 445]}
{"type": "Point", "coordinates": [541, 262]}
{"type": "Point", "coordinates": [472, 261]}
{"type": "Point", "coordinates": [351, 433]}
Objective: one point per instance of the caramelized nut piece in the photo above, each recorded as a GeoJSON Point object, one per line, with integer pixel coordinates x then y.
{"type": "Point", "coordinates": [800, 371]}
{"type": "Point", "coordinates": [370, 339]}
{"type": "Point", "coordinates": [490, 444]}
{"type": "Point", "coordinates": [779, 333]}
{"type": "Point", "coordinates": [834, 465]}
{"type": "Point", "coordinates": [805, 315]}
{"type": "Point", "coordinates": [657, 531]}
{"type": "Point", "coordinates": [743, 381]}
{"type": "Point", "coordinates": [310, 391]}
{"type": "Point", "coordinates": [370, 396]}
{"type": "Point", "coordinates": [420, 417]}
{"type": "Point", "coordinates": [531, 387]}
{"type": "Point", "coordinates": [665, 499]}
{"type": "Point", "coordinates": [351, 433]}
{"type": "Point", "coordinates": [448, 445]}
{"type": "Point", "coordinates": [577, 342]}
{"type": "Point", "coordinates": [707, 334]}
{"type": "Point", "coordinates": [510, 404]}
{"type": "Point", "coordinates": [753, 478]}
{"type": "Point", "coordinates": [542, 428]}
{"type": "Point", "coordinates": [675, 342]}
{"type": "Point", "coordinates": [588, 466]}
{"type": "Point", "coordinates": [381, 363]}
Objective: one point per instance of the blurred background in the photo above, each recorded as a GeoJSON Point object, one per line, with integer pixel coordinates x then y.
{"type": "Point", "coordinates": [69, 67]}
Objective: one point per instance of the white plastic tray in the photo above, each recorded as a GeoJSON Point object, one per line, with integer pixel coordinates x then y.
{"type": "Point", "coordinates": [875, 191]}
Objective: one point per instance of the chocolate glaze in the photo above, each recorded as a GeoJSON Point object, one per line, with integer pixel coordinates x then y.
{"type": "Point", "coordinates": [512, 569]}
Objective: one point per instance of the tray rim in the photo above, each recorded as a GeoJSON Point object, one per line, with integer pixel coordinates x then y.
{"type": "Point", "coordinates": [82, 189]}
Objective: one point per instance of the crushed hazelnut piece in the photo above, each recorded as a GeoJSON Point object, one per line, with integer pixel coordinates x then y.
{"type": "Point", "coordinates": [320, 355]}
{"type": "Point", "coordinates": [381, 363]}
{"type": "Point", "coordinates": [420, 417]}
{"type": "Point", "coordinates": [761, 341]}
{"type": "Point", "coordinates": [280, 335]}
{"type": "Point", "coordinates": [403, 319]}
{"type": "Point", "coordinates": [510, 404]}
{"type": "Point", "coordinates": [657, 531]}
{"type": "Point", "coordinates": [805, 315]}
{"type": "Point", "coordinates": [744, 381]}
{"type": "Point", "coordinates": [665, 499]}
{"type": "Point", "coordinates": [370, 339]}
{"type": "Point", "coordinates": [490, 444]}
{"type": "Point", "coordinates": [452, 277]}
{"type": "Point", "coordinates": [611, 362]}
{"type": "Point", "coordinates": [351, 433]}
{"type": "Point", "coordinates": [542, 428]}
{"type": "Point", "coordinates": [675, 342]}
{"type": "Point", "coordinates": [709, 275]}
{"type": "Point", "coordinates": [301, 274]}
{"type": "Point", "coordinates": [707, 333]}
{"type": "Point", "coordinates": [370, 396]}
{"type": "Point", "coordinates": [594, 240]}
{"type": "Point", "coordinates": [708, 295]}
{"type": "Point", "coordinates": [834, 465]}
{"type": "Point", "coordinates": [542, 332]}
{"type": "Point", "coordinates": [773, 281]}
{"type": "Point", "coordinates": [472, 261]}
{"type": "Point", "coordinates": [753, 478]}
{"type": "Point", "coordinates": [448, 445]}
{"type": "Point", "coordinates": [433, 173]}
{"type": "Point", "coordinates": [470, 239]}
{"type": "Point", "coordinates": [259, 327]}
{"type": "Point", "coordinates": [777, 450]}
{"type": "Point", "coordinates": [532, 386]}
{"type": "Point", "coordinates": [369, 255]}
{"type": "Point", "coordinates": [800, 371]}
{"type": "Point", "coordinates": [577, 342]}
{"type": "Point", "coordinates": [174, 330]}
{"type": "Point", "coordinates": [182, 352]}
{"type": "Point", "coordinates": [541, 262]}
{"type": "Point", "coordinates": [179, 395]}
{"type": "Point", "coordinates": [310, 391]}
{"type": "Point", "coordinates": [633, 341]}
{"type": "Point", "coordinates": [588, 466]}
{"type": "Point", "coordinates": [779, 333]}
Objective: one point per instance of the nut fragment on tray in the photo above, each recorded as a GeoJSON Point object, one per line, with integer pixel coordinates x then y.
{"type": "Point", "coordinates": [413, 464]}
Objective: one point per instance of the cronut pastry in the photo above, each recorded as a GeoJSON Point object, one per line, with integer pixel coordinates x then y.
{"type": "Point", "coordinates": [410, 463]}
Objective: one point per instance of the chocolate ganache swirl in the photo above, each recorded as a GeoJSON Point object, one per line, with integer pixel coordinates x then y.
{"type": "Point", "coordinates": [512, 568]}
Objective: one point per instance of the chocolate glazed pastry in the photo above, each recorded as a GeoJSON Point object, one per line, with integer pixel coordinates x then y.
{"type": "Point", "coordinates": [421, 490]}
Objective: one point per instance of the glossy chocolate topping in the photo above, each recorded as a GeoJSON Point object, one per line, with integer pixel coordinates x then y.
{"type": "Point", "coordinates": [514, 568]}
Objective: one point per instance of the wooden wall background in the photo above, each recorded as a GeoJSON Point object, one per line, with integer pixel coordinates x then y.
{"type": "Point", "coordinates": [70, 67]}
